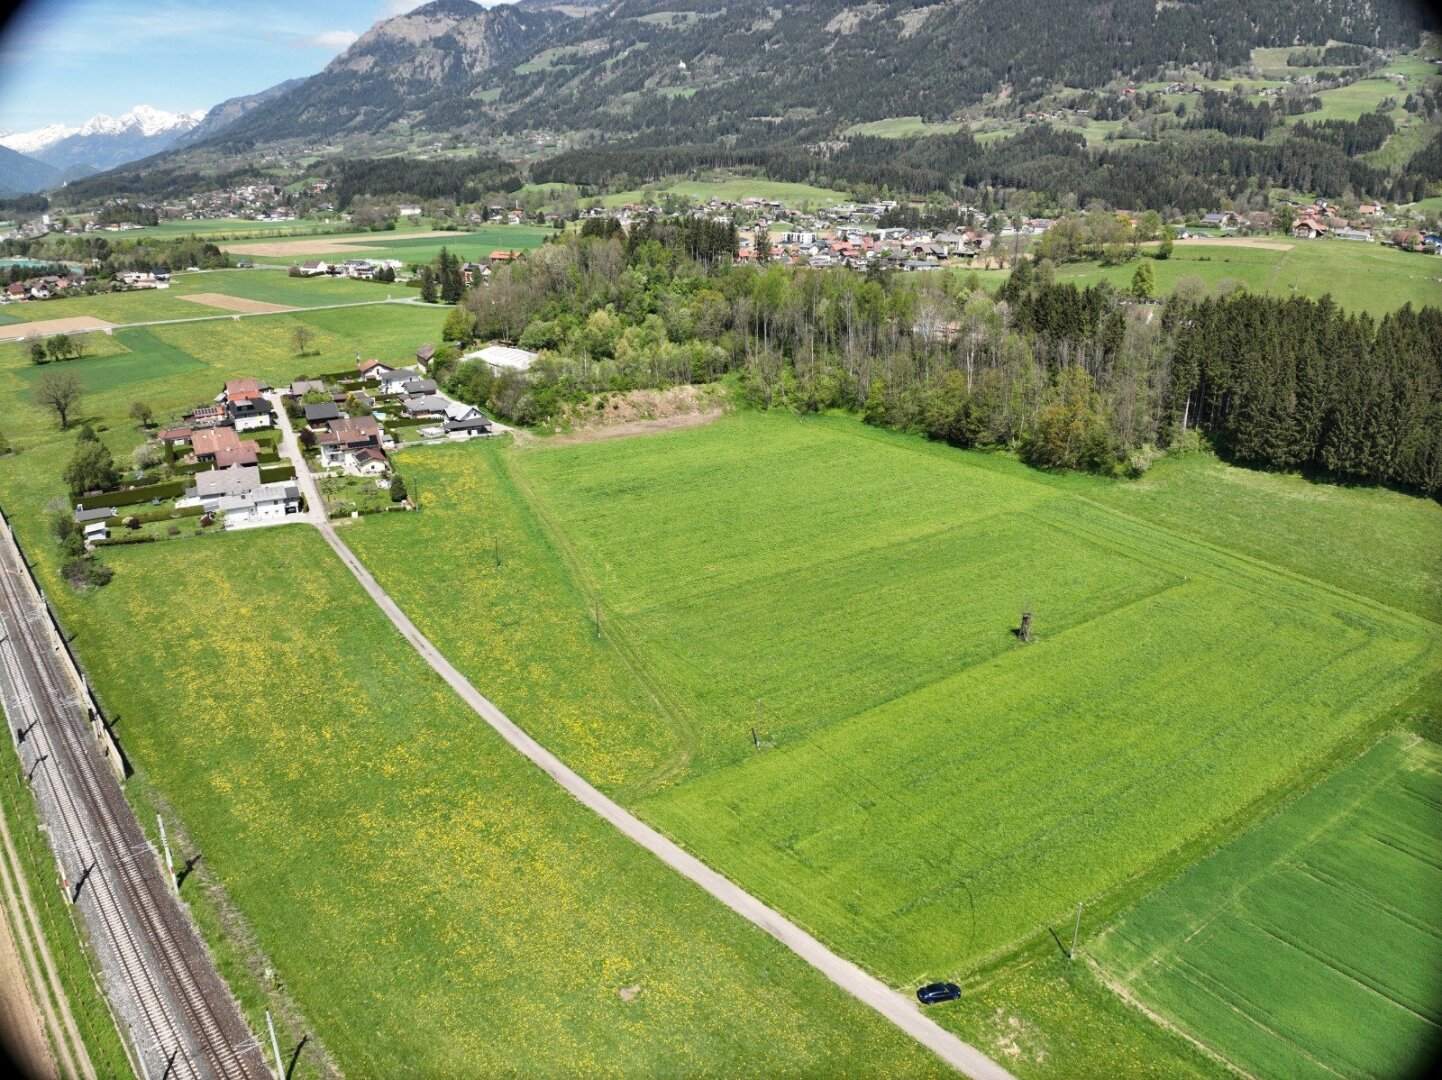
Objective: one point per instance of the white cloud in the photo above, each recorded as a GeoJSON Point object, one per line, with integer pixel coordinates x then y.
{"type": "Point", "coordinates": [330, 39]}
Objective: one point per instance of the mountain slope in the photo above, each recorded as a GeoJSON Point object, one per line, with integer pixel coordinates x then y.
{"type": "Point", "coordinates": [232, 109]}
{"type": "Point", "coordinates": [397, 67]}
{"type": "Point", "coordinates": [20, 174]}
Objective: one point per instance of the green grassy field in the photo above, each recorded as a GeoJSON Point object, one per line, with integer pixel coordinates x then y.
{"type": "Point", "coordinates": [226, 228]}
{"type": "Point", "coordinates": [447, 911]}
{"type": "Point", "coordinates": [904, 127]}
{"type": "Point", "coordinates": [792, 195]}
{"type": "Point", "coordinates": [937, 794]}
{"type": "Point", "coordinates": [476, 244]}
{"type": "Point", "coordinates": [1311, 945]}
{"type": "Point", "coordinates": [173, 367]}
{"type": "Point", "coordinates": [147, 305]}
{"type": "Point", "coordinates": [1359, 276]}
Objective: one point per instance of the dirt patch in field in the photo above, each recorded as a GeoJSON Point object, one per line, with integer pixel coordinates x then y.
{"type": "Point", "coordinates": [21, 1030]}
{"type": "Point", "coordinates": [321, 245]}
{"type": "Point", "coordinates": [637, 427]}
{"type": "Point", "coordinates": [639, 412]}
{"type": "Point", "coordinates": [236, 303]}
{"type": "Point", "coordinates": [1236, 241]}
{"type": "Point", "coordinates": [52, 326]}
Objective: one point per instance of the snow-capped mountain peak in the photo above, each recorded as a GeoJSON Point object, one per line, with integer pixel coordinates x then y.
{"type": "Point", "coordinates": [143, 121]}
{"type": "Point", "coordinates": [103, 141]}
{"type": "Point", "coordinates": [30, 142]}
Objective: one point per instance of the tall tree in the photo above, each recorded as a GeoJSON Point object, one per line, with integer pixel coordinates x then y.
{"type": "Point", "coordinates": [59, 392]}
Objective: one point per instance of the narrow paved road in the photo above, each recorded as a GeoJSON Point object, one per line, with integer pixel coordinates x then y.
{"type": "Point", "coordinates": [895, 1006]}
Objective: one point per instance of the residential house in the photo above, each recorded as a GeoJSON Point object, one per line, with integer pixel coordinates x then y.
{"type": "Point", "coordinates": [222, 448]}
{"type": "Point", "coordinates": [393, 382]}
{"type": "Point", "coordinates": [1219, 219]}
{"type": "Point", "coordinates": [314, 268]}
{"type": "Point", "coordinates": [496, 258]}
{"type": "Point", "coordinates": [367, 461]}
{"type": "Point", "coordinates": [472, 273]}
{"type": "Point", "coordinates": [347, 435]}
{"type": "Point", "coordinates": [372, 370]}
{"type": "Point", "coordinates": [176, 436]}
{"type": "Point", "coordinates": [208, 416]}
{"type": "Point", "coordinates": [321, 413]}
{"type": "Point", "coordinates": [423, 405]}
{"type": "Point", "coordinates": [240, 495]}
{"type": "Point", "coordinates": [250, 414]}
{"type": "Point", "coordinates": [301, 387]}
{"type": "Point", "coordinates": [1351, 234]}
{"type": "Point", "coordinates": [420, 386]}
{"type": "Point", "coordinates": [1308, 228]}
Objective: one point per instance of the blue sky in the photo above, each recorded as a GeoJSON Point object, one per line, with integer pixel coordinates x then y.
{"type": "Point", "coordinates": [66, 60]}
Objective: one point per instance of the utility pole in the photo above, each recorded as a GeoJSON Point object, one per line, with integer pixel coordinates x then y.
{"type": "Point", "coordinates": [169, 862]}
{"type": "Point", "coordinates": [496, 543]}
{"type": "Point", "coordinates": [596, 614]}
{"type": "Point", "coordinates": [274, 1047]}
{"type": "Point", "coordinates": [1076, 927]}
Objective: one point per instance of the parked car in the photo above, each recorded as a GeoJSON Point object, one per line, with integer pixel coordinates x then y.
{"type": "Point", "coordinates": [933, 993]}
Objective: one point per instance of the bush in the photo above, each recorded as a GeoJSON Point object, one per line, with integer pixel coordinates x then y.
{"type": "Point", "coordinates": [86, 574]}
{"type": "Point", "coordinates": [1141, 459]}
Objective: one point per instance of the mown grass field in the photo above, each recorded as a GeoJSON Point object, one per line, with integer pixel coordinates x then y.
{"type": "Point", "coordinates": [937, 793]}
{"type": "Point", "coordinates": [446, 911]}
{"type": "Point", "coordinates": [473, 245]}
{"type": "Point", "coordinates": [1310, 946]}
{"type": "Point", "coordinates": [1359, 276]}
{"type": "Point", "coordinates": [735, 189]}
{"type": "Point", "coordinates": [147, 305]}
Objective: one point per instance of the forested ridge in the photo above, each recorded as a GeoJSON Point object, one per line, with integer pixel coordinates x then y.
{"type": "Point", "coordinates": [1069, 377]}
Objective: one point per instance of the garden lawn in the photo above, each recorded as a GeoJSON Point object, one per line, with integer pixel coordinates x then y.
{"type": "Point", "coordinates": [1310, 946]}
{"type": "Point", "coordinates": [446, 910]}
{"type": "Point", "coordinates": [931, 793]}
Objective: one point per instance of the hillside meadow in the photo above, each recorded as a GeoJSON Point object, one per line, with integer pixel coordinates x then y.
{"type": "Point", "coordinates": [1310, 946]}
{"type": "Point", "coordinates": [1359, 276]}
{"type": "Point", "coordinates": [447, 911]}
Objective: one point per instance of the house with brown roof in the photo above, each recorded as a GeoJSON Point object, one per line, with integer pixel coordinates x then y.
{"type": "Point", "coordinates": [372, 369]}
{"type": "Point", "coordinates": [223, 448]}
{"type": "Point", "coordinates": [347, 435]}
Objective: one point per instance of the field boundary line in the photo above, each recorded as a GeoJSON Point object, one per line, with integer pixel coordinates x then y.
{"type": "Point", "coordinates": [1123, 991]}
{"type": "Point", "coordinates": [619, 634]}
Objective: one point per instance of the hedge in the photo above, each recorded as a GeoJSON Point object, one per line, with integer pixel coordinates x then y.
{"type": "Point", "coordinates": [276, 473]}
{"type": "Point", "coordinates": [168, 490]}
{"type": "Point", "coordinates": [119, 540]}
{"type": "Point", "coordinates": [118, 521]}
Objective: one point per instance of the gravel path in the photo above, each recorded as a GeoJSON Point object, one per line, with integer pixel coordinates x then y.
{"type": "Point", "coordinates": [896, 1007]}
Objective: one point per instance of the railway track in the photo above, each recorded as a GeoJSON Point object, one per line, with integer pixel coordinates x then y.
{"type": "Point", "coordinates": [183, 1021]}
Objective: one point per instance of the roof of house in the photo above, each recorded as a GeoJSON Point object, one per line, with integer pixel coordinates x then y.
{"type": "Point", "coordinates": [355, 429]}
{"type": "Point", "coordinates": [303, 386]}
{"type": "Point", "coordinates": [174, 433]}
{"type": "Point", "coordinates": [425, 352]}
{"type": "Point", "coordinates": [239, 481]}
{"type": "Point", "coordinates": [459, 410]}
{"type": "Point", "coordinates": [420, 386]}
{"type": "Point", "coordinates": [426, 403]}
{"type": "Point", "coordinates": [474, 423]}
{"type": "Point", "coordinates": [398, 375]}
{"type": "Point", "coordinates": [370, 453]}
{"type": "Point", "coordinates": [247, 453]}
{"type": "Point", "coordinates": [98, 513]}
{"type": "Point", "coordinates": [367, 366]}
{"type": "Point", "coordinates": [322, 410]}
{"type": "Point", "coordinates": [241, 389]}
{"type": "Point", "coordinates": [208, 441]}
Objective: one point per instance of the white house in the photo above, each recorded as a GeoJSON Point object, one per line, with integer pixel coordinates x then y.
{"type": "Point", "coordinates": [266, 504]}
